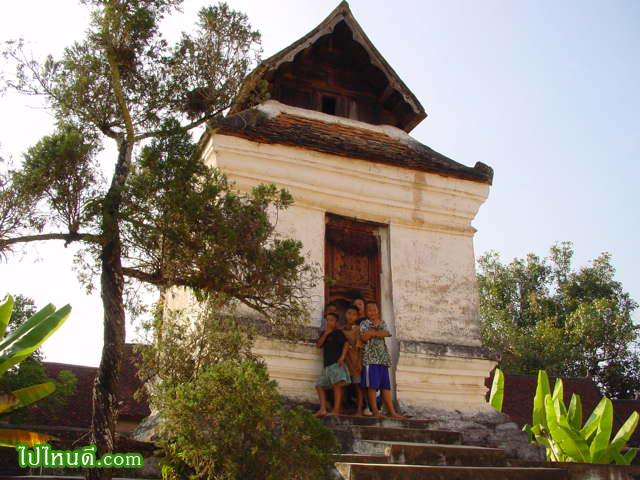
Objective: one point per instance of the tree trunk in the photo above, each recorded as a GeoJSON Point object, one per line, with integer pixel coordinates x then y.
{"type": "Point", "coordinates": [106, 385]}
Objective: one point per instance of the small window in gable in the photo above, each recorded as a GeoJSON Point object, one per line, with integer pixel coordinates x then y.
{"type": "Point", "coordinates": [328, 104]}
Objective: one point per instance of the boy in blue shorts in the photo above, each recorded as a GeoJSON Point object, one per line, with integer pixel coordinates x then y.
{"type": "Point", "coordinates": [335, 374]}
{"type": "Point", "coordinates": [376, 360]}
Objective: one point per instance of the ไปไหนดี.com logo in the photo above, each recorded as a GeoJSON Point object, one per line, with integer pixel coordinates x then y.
{"type": "Point", "coordinates": [43, 456]}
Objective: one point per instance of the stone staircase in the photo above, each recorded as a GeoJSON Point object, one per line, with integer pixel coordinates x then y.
{"type": "Point", "coordinates": [382, 449]}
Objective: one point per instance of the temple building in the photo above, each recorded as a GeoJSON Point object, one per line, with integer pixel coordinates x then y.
{"type": "Point", "coordinates": [385, 216]}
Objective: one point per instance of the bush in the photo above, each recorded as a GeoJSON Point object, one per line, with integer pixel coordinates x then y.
{"type": "Point", "coordinates": [229, 423]}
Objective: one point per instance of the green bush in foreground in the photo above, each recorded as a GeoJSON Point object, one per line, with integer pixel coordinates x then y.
{"type": "Point", "coordinates": [229, 423]}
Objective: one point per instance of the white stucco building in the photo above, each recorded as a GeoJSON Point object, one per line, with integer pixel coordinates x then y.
{"type": "Point", "coordinates": [384, 215]}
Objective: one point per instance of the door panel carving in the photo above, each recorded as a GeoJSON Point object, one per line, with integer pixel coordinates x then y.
{"type": "Point", "coordinates": [352, 260]}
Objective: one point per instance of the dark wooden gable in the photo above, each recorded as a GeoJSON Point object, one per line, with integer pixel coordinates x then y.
{"type": "Point", "coordinates": [336, 76]}
{"type": "Point", "coordinates": [335, 69]}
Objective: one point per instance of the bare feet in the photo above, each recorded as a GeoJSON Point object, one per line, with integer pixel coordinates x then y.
{"type": "Point", "coordinates": [359, 413]}
{"type": "Point", "coordinates": [320, 414]}
{"type": "Point", "coordinates": [395, 415]}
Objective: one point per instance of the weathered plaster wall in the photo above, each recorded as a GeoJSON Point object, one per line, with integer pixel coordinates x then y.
{"type": "Point", "coordinates": [307, 225]}
{"type": "Point", "coordinates": [295, 366]}
{"type": "Point", "coordinates": [434, 290]}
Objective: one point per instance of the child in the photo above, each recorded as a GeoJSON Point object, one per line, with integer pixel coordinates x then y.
{"type": "Point", "coordinates": [359, 304]}
{"type": "Point", "coordinates": [376, 360]}
{"type": "Point", "coordinates": [354, 354]}
{"type": "Point", "coordinates": [330, 308]}
{"type": "Point", "coordinates": [334, 374]}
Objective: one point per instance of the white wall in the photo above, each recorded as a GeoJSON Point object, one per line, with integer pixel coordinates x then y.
{"type": "Point", "coordinates": [307, 225]}
{"type": "Point", "coordinates": [430, 271]}
{"type": "Point", "coordinates": [434, 289]}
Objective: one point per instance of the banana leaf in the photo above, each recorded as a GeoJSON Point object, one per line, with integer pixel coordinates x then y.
{"type": "Point", "coordinates": [625, 432]}
{"type": "Point", "coordinates": [497, 390]}
{"type": "Point", "coordinates": [31, 394]}
{"type": "Point", "coordinates": [553, 454]}
{"type": "Point", "coordinates": [11, 438]}
{"type": "Point", "coordinates": [29, 336]}
{"type": "Point", "coordinates": [599, 448]}
{"type": "Point", "coordinates": [591, 425]}
{"type": "Point", "coordinates": [630, 455]}
{"type": "Point", "coordinates": [34, 319]}
{"type": "Point", "coordinates": [568, 441]}
{"type": "Point", "coordinates": [558, 390]}
{"type": "Point", "coordinates": [539, 416]}
{"type": "Point", "coordinates": [574, 414]}
{"type": "Point", "coordinates": [625, 459]}
{"type": "Point", "coordinates": [7, 400]}
{"type": "Point", "coordinates": [5, 314]}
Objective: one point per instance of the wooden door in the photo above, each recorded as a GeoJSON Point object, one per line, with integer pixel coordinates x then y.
{"type": "Point", "coordinates": [352, 261]}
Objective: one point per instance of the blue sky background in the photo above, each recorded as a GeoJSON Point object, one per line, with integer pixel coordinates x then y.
{"type": "Point", "coordinates": [545, 92]}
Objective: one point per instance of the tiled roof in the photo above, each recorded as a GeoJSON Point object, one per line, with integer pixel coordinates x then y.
{"type": "Point", "coordinates": [519, 391]}
{"type": "Point", "coordinates": [77, 411]}
{"type": "Point", "coordinates": [345, 140]}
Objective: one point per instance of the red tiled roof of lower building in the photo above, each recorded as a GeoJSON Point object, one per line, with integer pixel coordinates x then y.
{"type": "Point", "coordinates": [347, 141]}
{"type": "Point", "coordinates": [77, 410]}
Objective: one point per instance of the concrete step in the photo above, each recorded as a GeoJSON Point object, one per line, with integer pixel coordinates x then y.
{"type": "Point", "coordinates": [415, 435]}
{"type": "Point", "coordinates": [442, 455]}
{"type": "Point", "coordinates": [352, 438]}
{"type": "Point", "coordinates": [336, 421]}
{"type": "Point", "coordinates": [367, 471]}
{"type": "Point", "coordinates": [358, 458]}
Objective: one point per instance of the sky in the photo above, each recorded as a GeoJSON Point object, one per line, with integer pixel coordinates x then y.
{"type": "Point", "coordinates": [545, 92]}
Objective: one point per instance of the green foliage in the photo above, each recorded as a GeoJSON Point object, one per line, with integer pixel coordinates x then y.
{"type": "Point", "coordinates": [124, 59]}
{"type": "Point", "coordinates": [16, 346]}
{"type": "Point", "coordinates": [61, 172]}
{"type": "Point", "coordinates": [496, 396]}
{"type": "Point", "coordinates": [221, 416]}
{"type": "Point", "coordinates": [164, 219]}
{"type": "Point", "coordinates": [30, 370]}
{"type": "Point", "coordinates": [230, 423]}
{"type": "Point", "coordinates": [211, 237]}
{"type": "Point", "coordinates": [203, 55]}
{"type": "Point", "coordinates": [24, 340]}
{"type": "Point", "coordinates": [180, 344]}
{"type": "Point", "coordinates": [566, 439]}
{"type": "Point", "coordinates": [124, 82]}
{"type": "Point", "coordinates": [540, 314]}
{"type": "Point", "coordinates": [23, 309]}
